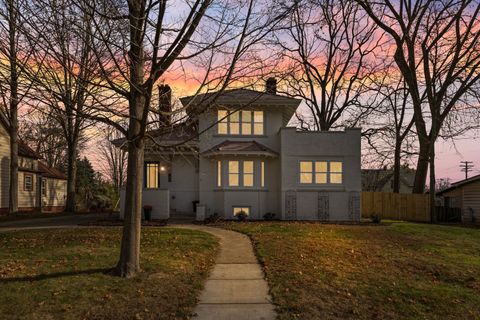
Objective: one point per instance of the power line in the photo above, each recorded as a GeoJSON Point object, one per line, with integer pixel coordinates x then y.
{"type": "Point", "coordinates": [466, 166]}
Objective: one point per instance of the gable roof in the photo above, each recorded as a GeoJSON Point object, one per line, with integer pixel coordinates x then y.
{"type": "Point", "coordinates": [240, 147]}
{"type": "Point", "coordinates": [25, 151]}
{"type": "Point", "coordinates": [460, 183]}
{"type": "Point", "coordinates": [50, 172]}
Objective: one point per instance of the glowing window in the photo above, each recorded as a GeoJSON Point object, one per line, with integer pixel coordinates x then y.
{"type": "Point", "coordinates": [151, 175]}
{"type": "Point", "coordinates": [248, 173]}
{"type": "Point", "coordinates": [242, 122]}
{"type": "Point", "coordinates": [233, 174]}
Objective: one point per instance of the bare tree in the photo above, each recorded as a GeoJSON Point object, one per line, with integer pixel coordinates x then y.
{"type": "Point", "coordinates": [437, 51]}
{"type": "Point", "coordinates": [61, 72]}
{"type": "Point", "coordinates": [328, 46]}
{"type": "Point", "coordinates": [113, 160]}
{"type": "Point", "coordinates": [45, 136]}
{"type": "Point", "coordinates": [390, 120]}
{"type": "Point", "coordinates": [15, 50]}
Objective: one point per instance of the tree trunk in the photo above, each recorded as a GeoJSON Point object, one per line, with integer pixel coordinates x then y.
{"type": "Point", "coordinates": [72, 178]}
{"type": "Point", "coordinates": [422, 166]}
{"type": "Point", "coordinates": [129, 262]}
{"type": "Point", "coordinates": [13, 189]}
{"type": "Point", "coordinates": [433, 215]}
{"type": "Point", "coordinates": [13, 132]}
{"type": "Point", "coordinates": [396, 166]}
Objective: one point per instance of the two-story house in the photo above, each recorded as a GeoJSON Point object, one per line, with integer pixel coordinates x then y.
{"type": "Point", "coordinates": [40, 188]}
{"type": "Point", "coordinates": [241, 156]}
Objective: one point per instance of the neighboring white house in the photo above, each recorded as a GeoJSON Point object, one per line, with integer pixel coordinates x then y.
{"type": "Point", "coordinates": [240, 155]}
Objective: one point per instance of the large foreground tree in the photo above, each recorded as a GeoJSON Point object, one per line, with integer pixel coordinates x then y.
{"type": "Point", "coordinates": [143, 41]}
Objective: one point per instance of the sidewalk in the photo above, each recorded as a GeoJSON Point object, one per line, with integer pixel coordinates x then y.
{"type": "Point", "coordinates": [236, 288]}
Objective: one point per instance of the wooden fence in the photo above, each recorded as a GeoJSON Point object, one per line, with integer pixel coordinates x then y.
{"type": "Point", "coordinates": [396, 206]}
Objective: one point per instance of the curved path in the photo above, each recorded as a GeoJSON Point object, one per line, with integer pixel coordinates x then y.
{"type": "Point", "coordinates": [236, 288]}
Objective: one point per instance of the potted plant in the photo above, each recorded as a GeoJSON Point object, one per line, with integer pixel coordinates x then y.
{"type": "Point", "coordinates": [242, 216]}
{"type": "Point", "coordinates": [147, 211]}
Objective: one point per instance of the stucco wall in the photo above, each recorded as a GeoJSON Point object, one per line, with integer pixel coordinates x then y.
{"type": "Point", "coordinates": [157, 198]}
{"type": "Point", "coordinates": [272, 123]}
{"type": "Point", "coordinates": [342, 201]}
{"type": "Point", "coordinates": [221, 200]}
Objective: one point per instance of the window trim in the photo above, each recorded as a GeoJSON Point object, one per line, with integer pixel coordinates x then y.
{"type": "Point", "coordinates": [25, 175]}
{"type": "Point", "coordinates": [313, 173]}
{"type": "Point", "coordinates": [226, 120]}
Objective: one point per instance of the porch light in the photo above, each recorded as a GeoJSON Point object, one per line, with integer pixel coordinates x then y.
{"type": "Point", "coordinates": [162, 168]}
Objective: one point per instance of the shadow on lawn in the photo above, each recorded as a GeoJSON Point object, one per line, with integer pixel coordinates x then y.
{"type": "Point", "coordinates": [40, 277]}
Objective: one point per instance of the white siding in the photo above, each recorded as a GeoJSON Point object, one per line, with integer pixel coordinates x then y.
{"type": "Point", "coordinates": [4, 166]}
{"type": "Point", "coordinates": [56, 191]}
{"type": "Point", "coordinates": [471, 202]}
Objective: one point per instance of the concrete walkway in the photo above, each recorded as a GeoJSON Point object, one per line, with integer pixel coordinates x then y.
{"type": "Point", "coordinates": [236, 288]}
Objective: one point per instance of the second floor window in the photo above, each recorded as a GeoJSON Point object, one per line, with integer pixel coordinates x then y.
{"type": "Point", "coordinates": [321, 172]}
{"type": "Point", "coordinates": [243, 122]}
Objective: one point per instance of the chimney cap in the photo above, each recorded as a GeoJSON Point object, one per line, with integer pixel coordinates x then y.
{"type": "Point", "coordinates": [271, 85]}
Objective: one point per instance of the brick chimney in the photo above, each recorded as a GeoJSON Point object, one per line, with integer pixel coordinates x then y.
{"type": "Point", "coordinates": [165, 105]}
{"type": "Point", "coordinates": [271, 85]}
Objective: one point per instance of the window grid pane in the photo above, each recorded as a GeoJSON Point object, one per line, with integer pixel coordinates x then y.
{"type": "Point", "coordinates": [219, 173]}
{"type": "Point", "coordinates": [258, 122]}
{"type": "Point", "coordinates": [233, 173]}
{"type": "Point", "coordinates": [237, 210]}
{"type": "Point", "coordinates": [152, 175]}
{"type": "Point", "coordinates": [321, 172]}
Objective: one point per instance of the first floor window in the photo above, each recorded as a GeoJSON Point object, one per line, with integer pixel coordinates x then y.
{"type": "Point", "coordinates": [262, 178]}
{"type": "Point", "coordinates": [248, 173]}
{"type": "Point", "coordinates": [219, 173]}
{"type": "Point", "coordinates": [151, 175]}
{"type": "Point", "coordinates": [238, 210]}
{"type": "Point", "coordinates": [44, 186]}
{"type": "Point", "coordinates": [233, 174]}
{"type": "Point", "coordinates": [240, 173]}
{"type": "Point", "coordinates": [321, 172]}
{"type": "Point", "coordinates": [28, 182]}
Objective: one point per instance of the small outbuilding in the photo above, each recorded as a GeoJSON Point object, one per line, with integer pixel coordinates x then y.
{"type": "Point", "coordinates": [465, 195]}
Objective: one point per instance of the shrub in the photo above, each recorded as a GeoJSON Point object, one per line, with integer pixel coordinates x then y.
{"type": "Point", "coordinates": [269, 216]}
{"type": "Point", "coordinates": [213, 218]}
{"type": "Point", "coordinates": [376, 218]}
{"type": "Point", "coordinates": [242, 216]}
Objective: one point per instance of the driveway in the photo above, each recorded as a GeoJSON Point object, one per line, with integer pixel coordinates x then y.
{"type": "Point", "coordinates": [53, 222]}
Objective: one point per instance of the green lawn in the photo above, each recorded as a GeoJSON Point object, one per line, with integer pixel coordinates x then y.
{"type": "Point", "coordinates": [397, 271]}
{"type": "Point", "coordinates": [63, 274]}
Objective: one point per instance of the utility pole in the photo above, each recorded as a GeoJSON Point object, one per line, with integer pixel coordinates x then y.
{"type": "Point", "coordinates": [466, 166]}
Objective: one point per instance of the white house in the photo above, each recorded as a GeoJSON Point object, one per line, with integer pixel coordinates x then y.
{"type": "Point", "coordinates": [240, 155]}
